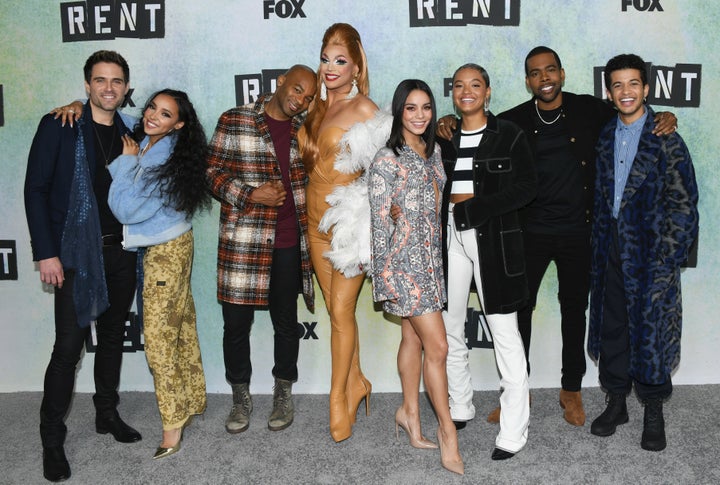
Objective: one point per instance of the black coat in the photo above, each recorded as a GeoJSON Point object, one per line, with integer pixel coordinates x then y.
{"type": "Point", "coordinates": [504, 180]}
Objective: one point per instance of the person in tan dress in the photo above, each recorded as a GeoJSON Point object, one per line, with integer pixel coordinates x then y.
{"type": "Point", "coordinates": [342, 102]}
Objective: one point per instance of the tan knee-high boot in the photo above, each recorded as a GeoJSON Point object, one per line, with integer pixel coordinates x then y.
{"type": "Point", "coordinates": [340, 426]}
{"type": "Point", "coordinates": [358, 387]}
{"type": "Point", "coordinates": [343, 299]}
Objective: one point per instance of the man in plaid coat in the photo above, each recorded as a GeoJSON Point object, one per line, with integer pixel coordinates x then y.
{"type": "Point", "coordinates": [255, 170]}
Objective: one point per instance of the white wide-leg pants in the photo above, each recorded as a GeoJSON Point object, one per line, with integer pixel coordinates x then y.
{"type": "Point", "coordinates": [463, 264]}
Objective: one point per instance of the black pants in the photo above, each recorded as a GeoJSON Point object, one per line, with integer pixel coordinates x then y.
{"type": "Point", "coordinates": [614, 364]}
{"type": "Point", "coordinates": [238, 319]}
{"type": "Point", "coordinates": [69, 341]}
{"type": "Point", "coordinates": [571, 254]}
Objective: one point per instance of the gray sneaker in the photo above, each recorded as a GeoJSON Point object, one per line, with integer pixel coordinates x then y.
{"type": "Point", "coordinates": [283, 409]}
{"type": "Point", "coordinates": [239, 418]}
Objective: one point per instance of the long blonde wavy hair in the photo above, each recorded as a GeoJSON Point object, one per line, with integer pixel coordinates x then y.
{"type": "Point", "coordinates": [346, 36]}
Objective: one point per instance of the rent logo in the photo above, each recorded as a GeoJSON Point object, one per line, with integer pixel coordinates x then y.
{"type": "Point", "coordinates": [248, 87]}
{"type": "Point", "coordinates": [133, 340]}
{"type": "Point", "coordinates": [8, 261]}
{"type": "Point", "coordinates": [477, 331]}
{"type": "Point", "coordinates": [677, 85]}
{"type": "Point", "coordinates": [455, 13]}
{"type": "Point", "coordinates": [108, 19]}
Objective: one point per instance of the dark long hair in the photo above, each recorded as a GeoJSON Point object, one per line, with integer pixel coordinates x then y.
{"type": "Point", "coordinates": [182, 177]}
{"type": "Point", "coordinates": [403, 90]}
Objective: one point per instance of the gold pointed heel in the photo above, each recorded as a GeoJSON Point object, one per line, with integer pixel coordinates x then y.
{"type": "Point", "coordinates": [417, 440]}
{"type": "Point", "coordinates": [162, 452]}
{"type": "Point", "coordinates": [455, 466]}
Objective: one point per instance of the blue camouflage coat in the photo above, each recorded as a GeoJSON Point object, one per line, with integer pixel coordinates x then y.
{"type": "Point", "coordinates": [657, 224]}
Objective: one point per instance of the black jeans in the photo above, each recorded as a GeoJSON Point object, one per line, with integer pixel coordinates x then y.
{"type": "Point", "coordinates": [614, 364]}
{"type": "Point", "coordinates": [69, 341]}
{"type": "Point", "coordinates": [238, 319]}
{"type": "Point", "coordinates": [571, 254]}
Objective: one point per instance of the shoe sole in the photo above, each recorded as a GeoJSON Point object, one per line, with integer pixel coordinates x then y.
{"type": "Point", "coordinates": [236, 431]}
{"type": "Point", "coordinates": [107, 431]}
{"type": "Point", "coordinates": [280, 428]}
{"type": "Point", "coordinates": [651, 448]}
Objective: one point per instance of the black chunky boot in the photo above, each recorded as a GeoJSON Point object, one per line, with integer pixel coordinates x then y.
{"type": "Point", "coordinates": [615, 414]}
{"type": "Point", "coordinates": [653, 437]}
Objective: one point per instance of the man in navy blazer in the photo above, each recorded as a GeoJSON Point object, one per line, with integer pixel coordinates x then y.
{"type": "Point", "coordinates": [77, 243]}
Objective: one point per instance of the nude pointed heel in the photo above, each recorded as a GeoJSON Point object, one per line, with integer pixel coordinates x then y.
{"type": "Point", "coordinates": [417, 440]}
{"type": "Point", "coordinates": [450, 465]}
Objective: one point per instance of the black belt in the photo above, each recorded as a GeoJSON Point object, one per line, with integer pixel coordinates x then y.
{"type": "Point", "coordinates": [112, 239]}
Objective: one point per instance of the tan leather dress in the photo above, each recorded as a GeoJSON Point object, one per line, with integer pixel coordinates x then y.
{"type": "Point", "coordinates": [348, 386]}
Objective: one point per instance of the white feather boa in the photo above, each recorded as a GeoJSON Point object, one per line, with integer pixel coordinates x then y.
{"type": "Point", "coordinates": [349, 212]}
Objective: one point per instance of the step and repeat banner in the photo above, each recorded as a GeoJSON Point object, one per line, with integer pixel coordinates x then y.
{"type": "Point", "coordinates": [226, 52]}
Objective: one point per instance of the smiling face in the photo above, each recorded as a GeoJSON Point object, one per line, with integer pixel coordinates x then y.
{"type": "Point", "coordinates": [295, 91]}
{"type": "Point", "coordinates": [337, 69]}
{"type": "Point", "coordinates": [106, 90]}
{"type": "Point", "coordinates": [545, 79]}
{"type": "Point", "coordinates": [161, 117]}
{"type": "Point", "coordinates": [416, 115]}
{"type": "Point", "coordinates": [469, 92]}
{"type": "Point", "coordinates": [627, 92]}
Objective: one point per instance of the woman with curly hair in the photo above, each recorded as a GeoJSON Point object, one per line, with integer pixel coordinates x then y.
{"type": "Point", "coordinates": [158, 184]}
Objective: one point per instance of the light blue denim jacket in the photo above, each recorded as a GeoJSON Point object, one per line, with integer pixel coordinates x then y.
{"type": "Point", "coordinates": [135, 199]}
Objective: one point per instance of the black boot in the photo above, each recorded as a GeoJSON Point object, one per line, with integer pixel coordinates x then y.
{"type": "Point", "coordinates": [615, 414]}
{"type": "Point", "coordinates": [55, 466]}
{"type": "Point", "coordinates": [112, 423]}
{"type": "Point", "coordinates": [653, 437]}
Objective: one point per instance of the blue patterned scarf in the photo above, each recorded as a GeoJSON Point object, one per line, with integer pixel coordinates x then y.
{"type": "Point", "coordinates": [82, 240]}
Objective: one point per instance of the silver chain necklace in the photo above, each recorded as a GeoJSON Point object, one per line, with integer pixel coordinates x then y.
{"type": "Point", "coordinates": [541, 118]}
{"type": "Point", "coordinates": [108, 154]}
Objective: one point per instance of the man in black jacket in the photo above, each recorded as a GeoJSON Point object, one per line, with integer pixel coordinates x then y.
{"type": "Point", "coordinates": [562, 129]}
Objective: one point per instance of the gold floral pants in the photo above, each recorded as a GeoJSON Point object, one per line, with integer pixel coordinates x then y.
{"type": "Point", "coordinates": [172, 348]}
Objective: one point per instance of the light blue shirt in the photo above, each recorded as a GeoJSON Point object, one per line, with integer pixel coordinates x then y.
{"type": "Point", "coordinates": [627, 138]}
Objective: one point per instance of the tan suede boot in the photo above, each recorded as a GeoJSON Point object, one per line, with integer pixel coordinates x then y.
{"type": "Point", "coordinates": [571, 402]}
{"type": "Point", "coordinates": [494, 416]}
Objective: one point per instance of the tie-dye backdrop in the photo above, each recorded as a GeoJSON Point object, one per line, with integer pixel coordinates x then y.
{"type": "Point", "coordinates": [206, 44]}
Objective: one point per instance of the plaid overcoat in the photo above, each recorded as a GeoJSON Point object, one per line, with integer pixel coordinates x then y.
{"type": "Point", "coordinates": [242, 157]}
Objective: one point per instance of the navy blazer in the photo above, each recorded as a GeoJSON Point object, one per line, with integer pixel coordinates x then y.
{"type": "Point", "coordinates": [49, 176]}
